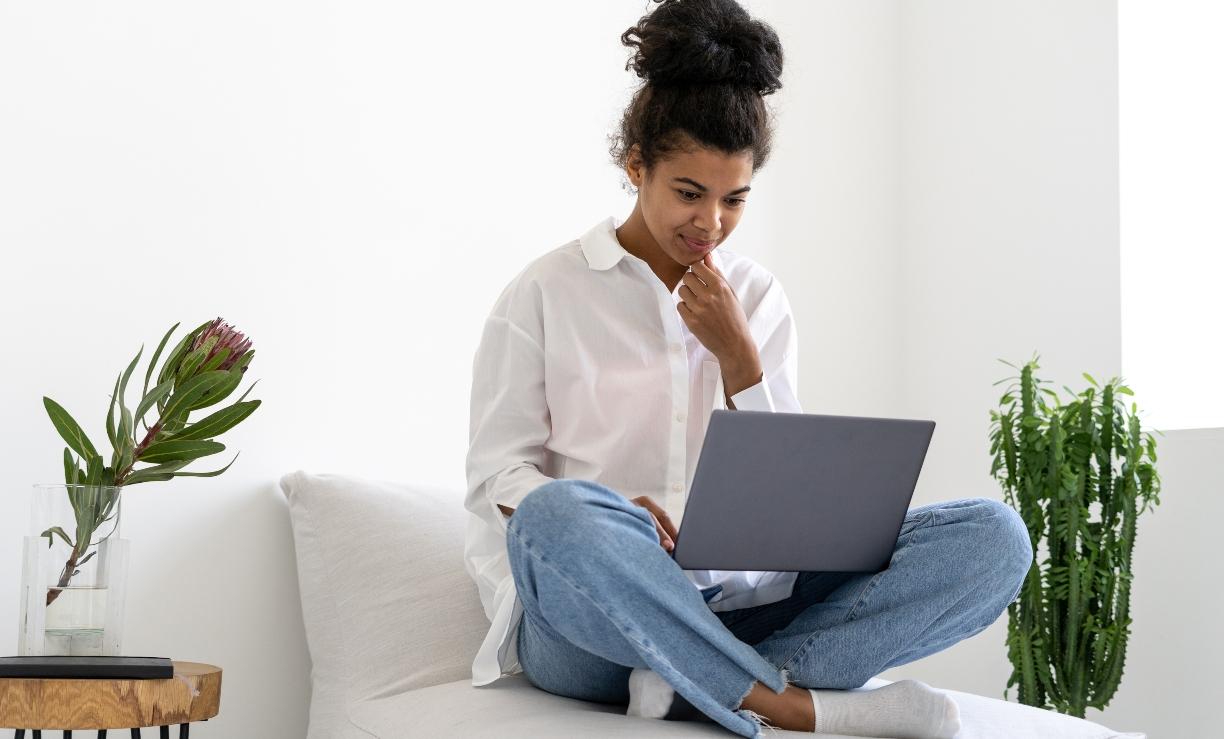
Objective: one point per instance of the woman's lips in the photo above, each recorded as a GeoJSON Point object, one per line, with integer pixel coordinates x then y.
{"type": "Point", "coordinates": [697, 246]}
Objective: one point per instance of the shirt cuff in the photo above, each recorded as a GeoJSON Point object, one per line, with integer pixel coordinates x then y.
{"type": "Point", "coordinates": [755, 398]}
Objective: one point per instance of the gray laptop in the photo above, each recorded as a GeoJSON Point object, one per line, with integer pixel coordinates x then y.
{"type": "Point", "coordinates": [800, 492]}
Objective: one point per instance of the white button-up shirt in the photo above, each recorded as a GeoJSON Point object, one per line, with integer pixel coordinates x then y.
{"type": "Point", "coordinates": [586, 370]}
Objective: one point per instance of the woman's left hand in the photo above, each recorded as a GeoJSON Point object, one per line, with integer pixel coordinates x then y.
{"type": "Point", "coordinates": [713, 313]}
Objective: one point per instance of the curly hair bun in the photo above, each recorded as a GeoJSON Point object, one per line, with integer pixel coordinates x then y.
{"type": "Point", "coordinates": [705, 42]}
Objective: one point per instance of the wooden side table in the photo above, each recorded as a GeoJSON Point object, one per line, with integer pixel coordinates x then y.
{"type": "Point", "coordinates": [68, 704]}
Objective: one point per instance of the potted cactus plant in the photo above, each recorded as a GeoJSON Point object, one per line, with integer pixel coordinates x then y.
{"type": "Point", "coordinates": [1080, 474]}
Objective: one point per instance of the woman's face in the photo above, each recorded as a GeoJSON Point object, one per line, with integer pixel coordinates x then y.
{"type": "Point", "coordinates": [698, 195]}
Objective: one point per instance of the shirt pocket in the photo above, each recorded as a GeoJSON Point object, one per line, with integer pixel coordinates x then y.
{"type": "Point", "coordinates": [712, 390]}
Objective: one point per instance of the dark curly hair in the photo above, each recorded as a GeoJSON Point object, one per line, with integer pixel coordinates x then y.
{"type": "Point", "coordinates": [706, 65]}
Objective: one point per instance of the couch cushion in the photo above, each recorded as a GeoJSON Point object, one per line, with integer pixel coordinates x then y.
{"type": "Point", "coordinates": [513, 707]}
{"type": "Point", "coordinates": [393, 622]}
{"type": "Point", "coordinates": [386, 602]}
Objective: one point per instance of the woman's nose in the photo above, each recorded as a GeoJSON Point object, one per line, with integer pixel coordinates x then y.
{"type": "Point", "coordinates": [709, 220]}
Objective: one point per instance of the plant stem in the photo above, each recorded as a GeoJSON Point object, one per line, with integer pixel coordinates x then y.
{"type": "Point", "coordinates": [65, 576]}
{"type": "Point", "coordinates": [122, 475]}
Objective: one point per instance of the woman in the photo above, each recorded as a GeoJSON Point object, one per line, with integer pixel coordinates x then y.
{"type": "Point", "coordinates": [597, 371]}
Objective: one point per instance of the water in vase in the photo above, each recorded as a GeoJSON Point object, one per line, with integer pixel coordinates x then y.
{"type": "Point", "coordinates": [75, 622]}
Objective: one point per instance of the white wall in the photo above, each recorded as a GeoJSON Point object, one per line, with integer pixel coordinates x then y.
{"type": "Point", "coordinates": [831, 197]}
{"type": "Point", "coordinates": [1172, 240]}
{"type": "Point", "coordinates": [354, 184]}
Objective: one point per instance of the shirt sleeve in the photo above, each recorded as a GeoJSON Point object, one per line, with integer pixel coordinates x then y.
{"type": "Point", "coordinates": [779, 349]}
{"type": "Point", "coordinates": [509, 416]}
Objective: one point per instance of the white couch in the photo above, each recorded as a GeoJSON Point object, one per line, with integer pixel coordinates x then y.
{"type": "Point", "coordinates": [393, 622]}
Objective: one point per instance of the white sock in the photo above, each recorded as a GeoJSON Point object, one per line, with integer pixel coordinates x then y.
{"type": "Point", "coordinates": [906, 709]}
{"type": "Point", "coordinates": [650, 696]}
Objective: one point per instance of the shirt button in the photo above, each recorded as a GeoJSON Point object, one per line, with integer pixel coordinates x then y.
{"type": "Point", "coordinates": [680, 417]}
{"type": "Point", "coordinates": [678, 487]}
{"type": "Point", "coordinates": [676, 348]}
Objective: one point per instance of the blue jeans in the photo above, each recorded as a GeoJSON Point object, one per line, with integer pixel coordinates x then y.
{"type": "Point", "coordinates": [600, 597]}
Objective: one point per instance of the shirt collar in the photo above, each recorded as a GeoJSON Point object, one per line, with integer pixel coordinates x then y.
{"type": "Point", "coordinates": [603, 251]}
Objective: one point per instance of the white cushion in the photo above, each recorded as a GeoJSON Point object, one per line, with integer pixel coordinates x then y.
{"type": "Point", "coordinates": [393, 622]}
{"type": "Point", "coordinates": [386, 602]}
{"type": "Point", "coordinates": [512, 707]}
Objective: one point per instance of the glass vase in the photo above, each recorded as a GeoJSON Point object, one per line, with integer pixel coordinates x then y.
{"type": "Point", "coordinates": [74, 574]}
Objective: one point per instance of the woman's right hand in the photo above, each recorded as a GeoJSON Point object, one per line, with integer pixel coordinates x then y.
{"type": "Point", "coordinates": [663, 523]}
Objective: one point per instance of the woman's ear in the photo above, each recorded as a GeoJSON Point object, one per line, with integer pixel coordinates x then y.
{"type": "Point", "coordinates": [634, 166]}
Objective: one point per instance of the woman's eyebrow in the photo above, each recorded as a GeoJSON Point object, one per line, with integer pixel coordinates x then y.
{"type": "Point", "coordinates": [703, 188]}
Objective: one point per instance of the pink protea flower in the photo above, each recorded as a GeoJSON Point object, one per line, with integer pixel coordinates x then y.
{"type": "Point", "coordinates": [227, 337]}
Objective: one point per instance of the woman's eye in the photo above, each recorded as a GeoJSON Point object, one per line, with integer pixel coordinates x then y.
{"type": "Point", "coordinates": [737, 202]}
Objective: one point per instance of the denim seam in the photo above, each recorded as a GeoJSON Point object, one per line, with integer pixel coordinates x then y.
{"type": "Point", "coordinates": [929, 517]}
{"type": "Point", "coordinates": [608, 614]}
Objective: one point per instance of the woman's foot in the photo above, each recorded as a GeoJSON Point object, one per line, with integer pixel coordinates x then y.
{"type": "Point", "coordinates": [903, 710]}
{"type": "Point", "coordinates": [906, 709]}
{"type": "Point", "coordinates": [650, 696]}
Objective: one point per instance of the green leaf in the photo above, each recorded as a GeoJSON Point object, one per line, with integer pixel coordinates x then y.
{"type": "Point", "coordinates": [87, 513]}
{"type": "Point", "coordinates": [159, 472]}
{"type": "Point", "coordinates": [166, 451]}
{"type": "Point", "coordinates": [221, 391]}
{"type": "Point", "coordinates": [217, 423]}
{"type": "Point", "coordinates": [214, 473]}
{"type": "Point", "coordinates": [72, 473]}
{"type": "Point", "coordinates": [195, 359]}
{"type": "Point", "coordinates": [127, 440]}
{"type": "Point", "coordinates": [170, 428]}
{"type": "Point", "coordinates": [168, 369]}
{"type": "Point", "coordinates": [215, 360]}
{"type": "Point", "coordinates": [108, 502]}
{"type": "Point", "coordinates": [93, 471]}
{"type": "Point", "coordinates": [149, 372]}
{"type": "Point", "coordinates": [69, 429]}
{"type": "Point", "coordinates": [87, 557]}
{"type": "Point", "coordinates": [248, 391]}
{"type": "Point", "coordinates": [180, 403]}
{"type": "Point", "coordinates": [126, 374]}
{"type": "Point", "coordinates": [1089, 378]}
{"type": "Point", "coordinates": [110, 415]}
{"type": "Point", "coordinates": [56, 530]}
{"type": "Point", "coordinates": [136, 479]}
{"type": "Point", "coordinates": [154, 396]}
